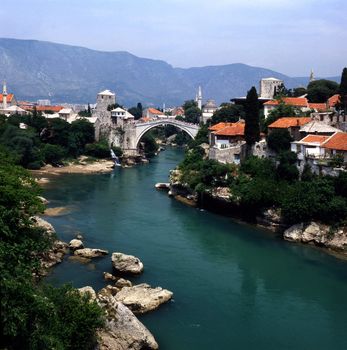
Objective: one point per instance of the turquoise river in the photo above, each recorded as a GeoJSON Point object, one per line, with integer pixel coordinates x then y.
{"type": "Point", "coordinates": [235, 286]}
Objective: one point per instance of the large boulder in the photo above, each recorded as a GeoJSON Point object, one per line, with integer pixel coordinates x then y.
{"type": "Point", "coordinates": [76, 244]}
{"type": "Point", "coordinates": [123, 330]}
{"type": "Point", "coordinates": [90, 253]}
{"type": "Point", "coordinates": [143, 298]}
{"type": "Point", "coordinates": [126, 263]}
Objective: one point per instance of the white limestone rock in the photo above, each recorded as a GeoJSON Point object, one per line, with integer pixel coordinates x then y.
{"type": "Point", "coordinates": [41, 223]}
{"type": "Point", "coordinates": [318, 234]}
{"type": "Point", "coordinates": [76, 244]}
{"type": "Point", "coordinates": [294, 233]}
{"type": "Point", "coordinates": [52, 257]}
{"type": "Point", "coordinates": [123, 330]}
{"type": "Point", "coordinates": [126, 263]}
{"type": "Point", "coordinates": [90, 253]}
{"type": "Point", "coordinates": [143, 298]}
{"type": "Point", "coordinates": [121, 282]}
{"type": "Point", "coordinates": [109, 277]}
{"type": "Point", "coordinates": [88, 290]}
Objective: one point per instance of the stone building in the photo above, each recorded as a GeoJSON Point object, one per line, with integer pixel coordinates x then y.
{"type": "Point", "coordinates": [268, 86]}
{"type": "Point", "coordinates": [6, 99]}
{"type": "Point", "coordinates": [208, 110]}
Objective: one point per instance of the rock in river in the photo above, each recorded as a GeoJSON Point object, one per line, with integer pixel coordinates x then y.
{"type": "Point", "coordinates": [39, 222]}
{"type": "Point", "coordinates": [123, 330]}
{"type": "Point", "coordinates": [76, 244]}
{"type": "Point", "coordinates": [142, 298]}
{"type": "Point", "coordinates": [126, 263]}
{"type": "Point", "coordinates": [90, 253]}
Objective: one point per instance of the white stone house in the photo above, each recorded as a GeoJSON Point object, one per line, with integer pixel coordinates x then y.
{"type": "Point", "coordinates": [318, 150]}
{"type": "Point", "coordinates": [152, 113]}
{"type": "Point", "coordinates": [121, 116]}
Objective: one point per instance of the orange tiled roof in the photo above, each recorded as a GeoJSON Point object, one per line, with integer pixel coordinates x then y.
{"type": "Point", "coordinates": [8, 99]}
{"type": "Point", "coordinates": [337, 142]}
{"type": "Point", "coordinates": [315, 139]}
{"type": "Point", "coordinates": [318, 106]}
{"type": "Point", "coordinates": [333, 100]}
{"type": "Point", "coordinates": [231, 129]}
{"type": "Point", "coordinates": [293, 101]}
{"type": "Point", "coordinates": [219, 126]}
{"type": "Point", "coordinates": [155, 111]}
{"type": "Point", "coordinates": [55, 109]}
{"type": "Point", "coordinates": [288, 122]}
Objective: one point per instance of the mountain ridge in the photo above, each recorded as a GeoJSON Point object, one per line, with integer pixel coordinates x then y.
{"type": "Point", "coordinates": [37, 69]}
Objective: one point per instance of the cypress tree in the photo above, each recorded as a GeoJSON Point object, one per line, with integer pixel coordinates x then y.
{"type": "Point", "coordinates": [343, 89]}
{"type": "Point", "coordinates": [252, 126]}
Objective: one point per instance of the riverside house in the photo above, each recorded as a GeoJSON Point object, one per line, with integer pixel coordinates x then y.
{"type": "Point", "coordinates": [292, 124]}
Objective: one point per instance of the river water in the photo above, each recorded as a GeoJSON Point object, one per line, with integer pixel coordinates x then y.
{"type": "Point", "coordinates": [235, 286]}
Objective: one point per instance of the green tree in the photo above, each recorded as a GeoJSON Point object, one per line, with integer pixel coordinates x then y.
{"type": "Point", "coordinates": [279, 140]}
{"type": "Point", "coordinates": [320, 90]}
{"type": "Point", "coordinates": [281, 110]}
{"type": "Point", "coordinates": [343, 90]}
{"type": "Point", "coordinates": [299, 91]}
{"type": "Point", "coordinates": [228, 113]}
{"type": "Point", "coordinates": [252, 126]}
{"type": "Point", "coordinates": [192, 115]}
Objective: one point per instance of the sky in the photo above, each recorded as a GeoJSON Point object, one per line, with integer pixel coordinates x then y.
{"type": "Point", "coordinates": [288, 36]}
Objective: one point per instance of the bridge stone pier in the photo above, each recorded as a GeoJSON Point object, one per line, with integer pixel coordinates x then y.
{"type": "Point", "coordinates": [134, 131]}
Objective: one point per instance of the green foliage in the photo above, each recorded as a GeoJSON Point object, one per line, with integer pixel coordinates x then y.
{"type": "Point", "coordinates": [286, 169]}
{"type": "Point", "coordinates": [34, 316]}
{"type": "Point", "coordinates": [343, 90]}
{"type": "Point", "coordinates": [259, 167]}
{"type": "Point", "coordinates": [150, 145]}
{"type": "Point", "coordinates": [182, 138]}
{"type": "Point", "coordinates": [99, 149]}
{"type": "Point", "coordinates": [53, 153]}
{"type": "Point", "coordinates": [299, 91]}
{"type": "Point", "coordinates": [279, 140]}
{"type": "Point", "coordinates": [200, 138]}
{"type": "Point", "coordinates": [113, 106]}
{"type": "Point", "coordinates": [192, 115]}
{"type": "Point", "coordinates": [136, 111]}
{"type": "Point", "coordinates": [252, 125]}
{"type": "Point", "coordinates": [228, 113]}
{"type": "Point", "coordinates": [320, 90]}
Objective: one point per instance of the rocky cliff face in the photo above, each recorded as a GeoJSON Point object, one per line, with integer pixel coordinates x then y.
{"type": "Point", "coordinates": [318, 234]}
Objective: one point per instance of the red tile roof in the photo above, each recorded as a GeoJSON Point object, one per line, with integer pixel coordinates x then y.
{"type": "Point", "coordinates": [315, 139]}
{"type": "Point", "coordinates": [155, 111]}
{"type": "Point", "coordinates": [8, 99]}
{"type": "Point", "coordinates": [229, 129]}
{"type": "Point", "coordinates": [219, 126]}
{"type": "Point", "coordinates": [337, 142]}
{"type": "Point", "coordinates": [333, 100]}
{"type": "Point", "coordinates": [293, 101]}
{"type": "Point", "coordinates": [55, 109]}
{"type": "Point", "coordinates": [318, 106]}
{"type": "Point", "coordinates": [288, 122]}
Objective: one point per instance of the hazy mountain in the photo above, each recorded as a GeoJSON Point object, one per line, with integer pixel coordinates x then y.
{"type": "Point", "coordinates": [36, 69]}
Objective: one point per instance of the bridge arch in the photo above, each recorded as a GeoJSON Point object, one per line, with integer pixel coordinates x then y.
{"type": "Point", "coordinates": [142, 128]}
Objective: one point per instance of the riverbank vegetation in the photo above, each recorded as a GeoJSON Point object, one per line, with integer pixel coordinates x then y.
{"type": "Point", "coordinates": [259, 184]}
{"type": "Point", "coordinates": [33, 314]}
{"type": "Point", "coordinates": [34, 141]}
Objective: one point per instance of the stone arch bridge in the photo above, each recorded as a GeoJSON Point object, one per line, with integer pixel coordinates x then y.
{"type": "Point", "coordinates": [135, 131]}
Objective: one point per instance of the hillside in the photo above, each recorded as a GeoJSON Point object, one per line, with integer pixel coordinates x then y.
{"type": "Point", "coordinates": [63, 73]}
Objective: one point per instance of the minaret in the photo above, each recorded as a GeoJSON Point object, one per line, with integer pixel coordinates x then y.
{"type": "Point", "coordinates": [311, 76]}
{"type": "Point", "coordinates": [4, 95]}
{"type": "Point", "coordinates": [199, 98]}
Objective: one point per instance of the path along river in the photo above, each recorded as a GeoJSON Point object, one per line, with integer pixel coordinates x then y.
{"type": "Point", "coordinates": [235, 286]}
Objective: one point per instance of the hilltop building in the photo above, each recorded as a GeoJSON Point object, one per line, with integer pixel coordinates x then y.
{"type": "Point", "coordinates": [268, 87]}
{"type": "Point", "coordinates": [152, 113]}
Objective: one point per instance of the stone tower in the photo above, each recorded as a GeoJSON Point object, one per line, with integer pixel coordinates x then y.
{"type": "Point", "coordinates": [268, 86]}
{"type": "Point", "coordinates": [4, 95]}
{"type": "Point", "coordinates": [312, 76]}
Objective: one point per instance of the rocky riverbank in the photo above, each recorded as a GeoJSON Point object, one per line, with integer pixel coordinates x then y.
{"type": "Point", "coordinates": [120, 299]}
{"type": "Point", "coordinates": [218, 200]}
